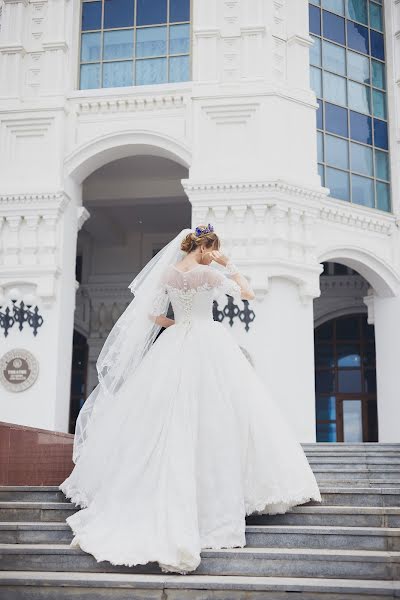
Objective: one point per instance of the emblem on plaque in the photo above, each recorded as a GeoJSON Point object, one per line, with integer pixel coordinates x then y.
{"type": "Point", "coordinates": [18, 370]}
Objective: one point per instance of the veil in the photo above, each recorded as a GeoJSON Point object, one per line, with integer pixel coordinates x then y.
{"type": "Point", "coordinates": [130, 338]}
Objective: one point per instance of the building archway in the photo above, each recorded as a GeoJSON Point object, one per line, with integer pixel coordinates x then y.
{"type": "Point", "coordinates": [345, 358]}
{"type": "Point", "coordinates": [136, 205]}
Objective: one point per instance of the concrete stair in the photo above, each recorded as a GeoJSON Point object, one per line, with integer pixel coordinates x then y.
{"type": "Point", "coordinates": [345, 548]}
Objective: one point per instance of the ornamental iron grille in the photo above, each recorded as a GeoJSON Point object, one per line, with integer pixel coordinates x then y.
{"type": "Point", "coordinates": [20, 314]}
{"type": "Point", "coordinates": [232, 311]}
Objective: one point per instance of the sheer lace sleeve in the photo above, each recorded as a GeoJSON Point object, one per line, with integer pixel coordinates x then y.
{"type": "Point", "coordinates": [223, 284]}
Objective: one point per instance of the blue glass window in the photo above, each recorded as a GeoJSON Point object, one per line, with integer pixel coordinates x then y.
{"type": "Point", "coordinates": [326, 405]}
{"type": "Point", "coordinates": [90, 76]}
{"type": "Point", "coordinates": [375, 16]}
{"type": "Point", "coordinates": [319, 114]}
{"type": "Point", "coordinates": [119, 34]}
{"type": "Point", "coordinates": [338, 183]}
{"type": "Point", "coordinates": [118, 44]}
{"type": "Point", "coordinates": [333, 26]}
{"type": "Point", "coordinates": [357, 37]}
{"type": "Point", "coordinates": [358, 67]}
{"type": "Point", "coordinates": [314, 15]}
{"type": "Point", "coordinates": [150, 71]}
{"type": "Point", "coordinates": [383, 196]}
{"type": "Point", "coordinates": [321, 174]}
{"type": "Point", "coordinates": [359, 97]}
{"type": "Point", "coordinates": [315, 52]}
{"type": "Point", "coordinates": [379, 104]}
{"type": "Point", "coordinates": [377, 45]}
{"type": "Point", "coordinates": [320, 146]}
{"type": "Point", "coordinates": [117, 74]}
{"type": "Point", "coordinates": [151, 41]}
{"type": "Point", "coordinates": [360, 127]}
{"type": "Point", "coordinates": [179, 10]}
{"type": "Point", "coordinates": [336, 119]}
{"type": "Point", "coordinates": [179, 68]}
{"type": "Point", "coordinates": [326, 432]}
{"type": "Point", "coordinates": [179, 38]}
{"type": "Point", "coordinates": [316, 80]}
{"type": "Point", "coordinates": [347, 62]}
{"type": "Point", "coordinates": [361, 159]}
{"type": "Point", "coordinates": [336, 6]}
{"type": "Point", "coordinates": [378, 74]}
{"type": "Point", "coordinates": [151, 13]}
{"type": "Point", "coordinates": [335, 89]}
{"type": "Point", "coordinates": [118, 13]}
{"type": "Point", "coordinates": [382, 165]}
{"type": "Point", "coordinates": [380, 134]}
{"type": "Point", "coordinates": [333, 58]}
{"type": "Point", "coordinates": [91, 47]}
{"type": "Point", "coordinates": [336, 152]}
{"type": "Point", "coordinates": [357, 10]}
{"type": "Point", "coordinates": [91, 16]}
{"type": "Point", "coordinates": [362, 191]}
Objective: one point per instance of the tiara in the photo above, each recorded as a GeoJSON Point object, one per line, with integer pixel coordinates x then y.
{"type": "Point", "coordinates": [201, 230]}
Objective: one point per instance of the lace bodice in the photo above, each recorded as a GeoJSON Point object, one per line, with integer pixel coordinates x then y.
{"type": "Point", "coordinates": [192, 292]}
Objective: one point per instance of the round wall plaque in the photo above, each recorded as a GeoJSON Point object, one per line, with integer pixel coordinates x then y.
{"type": "Point", "coordinates": [18, 370]}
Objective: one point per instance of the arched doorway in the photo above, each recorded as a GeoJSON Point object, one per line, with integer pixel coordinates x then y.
{"type": "Point", "coordinates": [137, 205]}
{"type": "Point", "coordinates": [345, 380]}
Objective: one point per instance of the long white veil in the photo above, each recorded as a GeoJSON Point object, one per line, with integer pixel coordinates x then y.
{"type": "Point", "coordinates": [130, 338]}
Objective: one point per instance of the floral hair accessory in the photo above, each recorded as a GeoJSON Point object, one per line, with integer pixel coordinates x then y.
{"type": "Point", "coordinates": [201, 230]}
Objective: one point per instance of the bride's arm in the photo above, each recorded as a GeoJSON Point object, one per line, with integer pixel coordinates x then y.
{"type": "Point", "coordinates": [161, 320]}
{"type": "Point", "coordinates": [247, 292]}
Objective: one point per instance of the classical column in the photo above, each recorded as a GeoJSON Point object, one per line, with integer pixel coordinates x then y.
{"type": "Point", "coordinates": [386, 316]}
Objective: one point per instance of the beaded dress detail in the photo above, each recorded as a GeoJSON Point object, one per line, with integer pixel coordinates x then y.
{"type": "Point", "coordinates": [192, 443]}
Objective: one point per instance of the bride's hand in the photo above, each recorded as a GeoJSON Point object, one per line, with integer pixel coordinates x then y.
{"type": "Point", "coordinates": [220, 258]}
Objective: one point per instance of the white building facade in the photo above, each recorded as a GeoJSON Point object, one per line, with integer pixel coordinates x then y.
{"type": "Point", "coordinates": [124, 121]}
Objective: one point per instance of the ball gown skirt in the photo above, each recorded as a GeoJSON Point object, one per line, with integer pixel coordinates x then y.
{"type": "Point", "coordinates": [190, 445]}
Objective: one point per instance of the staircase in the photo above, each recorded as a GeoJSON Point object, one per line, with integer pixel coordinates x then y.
{"type": "Point", "coordinates": [348, 547]}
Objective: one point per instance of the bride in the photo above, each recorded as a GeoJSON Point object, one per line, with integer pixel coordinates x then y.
{"type": "Point", "coordinates": [180, 440]}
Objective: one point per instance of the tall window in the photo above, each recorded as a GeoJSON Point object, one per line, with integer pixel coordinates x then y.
{"type": "Point", "coordinates": [134, 42]}
{"type": "Point", "coordinates": [345, 381]}
{"type": "Point", "coordinates": [348, 75]}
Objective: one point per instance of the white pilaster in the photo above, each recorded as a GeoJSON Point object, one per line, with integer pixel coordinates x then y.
{"type": "Point", "coordinates": [386, 316]}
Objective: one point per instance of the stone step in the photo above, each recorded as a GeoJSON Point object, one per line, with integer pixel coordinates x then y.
{"type": "Point", "coordinates": [336, 496]}
{"type": "Point", "coordinates": [276, 562]}
{"type": "Point", "coordinates": [348, 447]}
{"type": "Point", "coordinates": [340, 516]}
{"type": "Point", "coordinates": [364, 483]}
{"type": "Point", "coordinates": [34, 585]}
{"type": "Point", "coordinates": [352, 461]}
{"type": "Point", "coordinates": [257, 536]}
{"type": "Point", "coordinates": [31, 493]}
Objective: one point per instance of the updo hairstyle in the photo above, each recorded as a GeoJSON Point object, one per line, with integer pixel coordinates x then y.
{"type": "Point", "coordinates": [193, 241]}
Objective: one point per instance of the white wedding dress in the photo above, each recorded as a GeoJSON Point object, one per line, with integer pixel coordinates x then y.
{"type": "Point", "coordinates": [190, 445]}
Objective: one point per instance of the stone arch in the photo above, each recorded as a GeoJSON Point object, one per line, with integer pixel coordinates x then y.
{"type": "Point", "coordinates": [109, 147]}
{"type": "Point", "coordinates": [376, 271]}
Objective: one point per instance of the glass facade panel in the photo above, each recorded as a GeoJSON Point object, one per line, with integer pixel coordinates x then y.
{"type": "Point", "coordinates": [361, 159]}
{"type": "Point", "coordinates": [358, 67]}
{"type": "Point", "coordinates": [352, 421]}
{"type": "Point", "coordinates": [359, 97]}
{"type": "Point", "coordinates": [333, 58]}
{"type": "Point", "coordinates": [362, 190]}
{"type": "Point", "coordinates": [135, 42]}
{"type": "Point", "coordinates": [349, 79]}
{"type": "Point", "coordinates": [336, 151]}
{"type": "Point", "coordinates": [338, 183]}
{"type": "Point", "coordinates": [118, 44]}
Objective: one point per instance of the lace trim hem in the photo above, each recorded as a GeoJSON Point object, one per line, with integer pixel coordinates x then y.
{"type": "Point", "coordinates": [76, 496]}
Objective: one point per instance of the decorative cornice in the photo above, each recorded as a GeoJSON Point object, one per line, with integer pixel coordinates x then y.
{"type": "Point", "coordinates": [50, 202]}
{"type": "Point", "coordinates": [354, 217]}
{"type": "Point", "coordinates": [130, 104]}
{"type": "Point", "coordinates": [275, 186]}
